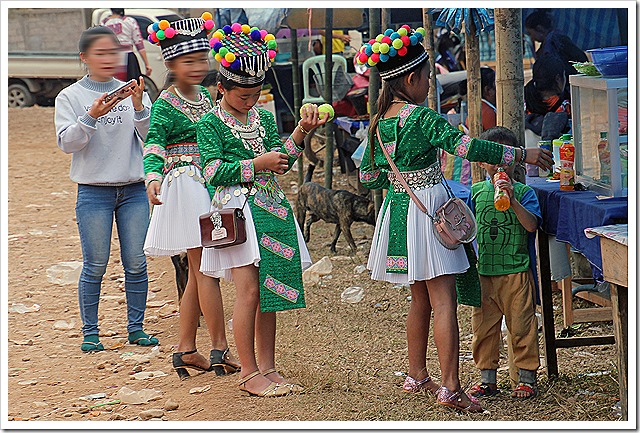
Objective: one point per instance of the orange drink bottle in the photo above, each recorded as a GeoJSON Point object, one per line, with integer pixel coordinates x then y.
{"type": "Point", "coordinates": [500, 198]}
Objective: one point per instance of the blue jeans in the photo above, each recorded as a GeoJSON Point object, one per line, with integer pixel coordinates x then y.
{"type": "Point", "coordinates": [95, 209]}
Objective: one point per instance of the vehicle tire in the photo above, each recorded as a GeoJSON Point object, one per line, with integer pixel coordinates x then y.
{"type": "Point", "coordinates": [19, 96]}
{"type": "Point", "coordinates": [151, 89]}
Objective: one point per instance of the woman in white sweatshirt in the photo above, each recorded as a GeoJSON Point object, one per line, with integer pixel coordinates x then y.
{"type": "Point", "coordinates": [105, 139]}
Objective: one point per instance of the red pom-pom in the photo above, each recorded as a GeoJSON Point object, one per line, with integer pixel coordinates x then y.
{"type": "Point", "coordinates": [225, 63]}
{"type": "Point", "coordinates": [372, 41]}
{"type": "Point", "coordinates": [375, 57]}
{"type": "Point", "coordinates": [406, 26]}
{"type": "Point", "coordinates": [170, 32]}
{"type": "Point", "coordinates": [209, 24]}
{"type": "Point", "coordinates": [386, 40]}
{"type": "Point", "coordinates": [272, 54]}
{"type": "Point", "coordinates": [155, 38]}
{"type": "Point", "coordinates": [212, 43]}
{"type": "Point", "coordinates": [402, 51]}
{"type": "Point", "coordinates": [405, 40]}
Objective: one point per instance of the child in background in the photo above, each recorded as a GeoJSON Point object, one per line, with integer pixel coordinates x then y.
{"type": "Point", "coordinates": [505, 277]}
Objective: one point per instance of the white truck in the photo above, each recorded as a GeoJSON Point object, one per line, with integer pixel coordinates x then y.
{"type": "Point", "coordinates": [41, 62]}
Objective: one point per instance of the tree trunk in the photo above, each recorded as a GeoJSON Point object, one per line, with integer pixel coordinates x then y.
{"type": "Point", "coordinates": [328, 96]}
{"type": "Point", "coordinates": [474, 96]}
{"type": "Point", "coordinates": [374, 88]}
{"type": "Point", "coordinates": [510, 75]}
{"type": "Point", "coordinates": [427, 23]}
{"type": "Point", "coordinates": [295, 77]}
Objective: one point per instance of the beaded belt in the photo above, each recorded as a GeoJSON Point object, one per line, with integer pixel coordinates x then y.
{"type": "Point", "coordinates": [417, 179]}
{"type": "Point", "coordinates": [182, 156]}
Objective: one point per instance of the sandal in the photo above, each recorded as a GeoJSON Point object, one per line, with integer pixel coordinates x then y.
{"type": "Point", "coordinates": [483, 390]}
{"type": "Point", "coordinates": [221, 364]}
{"type": "Point", "coordinates": [142, 339]}
{"type": "Point", "coordinates": [294, 387]}
{"type": "Point", "coordinates": [453, 399]}
{"type": "Point", "coordinates": [530, 390]}
{"type": "Point", "coordinates": [91, 343]}
{"type": "Point", "coordinates": [179, 364]}
{"type": "Point", "coordinates": [414, 386]}
{"type": "Point", "coordinates": [273, 390]}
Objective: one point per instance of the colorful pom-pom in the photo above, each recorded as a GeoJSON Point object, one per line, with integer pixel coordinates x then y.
{"type": "Point", "coordinates": [218, 57]}
{"type": "Point", "coordinates": [384, 48]}
{"type": "Point", "coordinates": [368, 50]}
{"type": "Point", "coordinates": [246, 30]}
{"type": "Point", "coordinates": [392, 52]}
{"type": "Point", "coordinates": [156, 27]}
{"type": "Point", "coordinates": [395, 35]}
{"type": "Point", "coordinates": [384, 57]}
{"type": "Point", "coordinates": [212, 43]}
{"type": "Point", "coordinates": [150, 29]}
{"type": "Point", "coordinates": [230, 57]}
{"type": "Point", "coordinates": [376, 47]}
{"type": "Point", "coordinates": [379, 38]}
{"type": "Point", "coordinates": [254, 28]}
{"type": "Point", "coordinates": [235, 64]}
{"type": "Point", "coordinates": [227, 29]}
{"type": "Point", "coordinates": [420, 36]}
{"type": "Point", "coordinates": [388, 32]}
{"type": "Point", "coordinates": [206, 16]}
{"type": "Point", "coordinates": [217, 46]}
{"type": "Point", "coordinates": [154, 37]}
{"type": "Point", "coordinates": [218, 35]}
{"type": "Point", "coordinates": [386, 40]}
{"type": "Point", "coordinates": [402, 31]}
{"type": "Point", "coordinates": [263, 34]}
{"type": "Point", "coordinates": [236, 27]}
{"type": "Point", "coordinates": [397, 44]}
{"type": "Point", "coordinates": [272, 44]}
{"type": "Point", "coordinates": [402, 51]}
{"type": "Point", "coordinates": [160, 35]}
{"type": "Point", "coordinates": [406, 26]}
{"type": "Point", "coordinates": [209, 24]}
{"type": "Point", "coordinates": [363, 58]}
{"type": "Point", "coordinates": [405, 40]}
{"type": "Point", "coordinates": [223, 51]}
{"type": "Point", "coordinates": [370, 62]}
{"type": "Point", "coordinates": [272, 54]}
{"type": "Point", "coordinates": [371, 41]}
{"type": "Point", "coordinates": [422, 31]}
{"type": "Point", "coordinates": [150, 39]}
{"type": "Point", "coordinates": [413, 40]}
{"type": "Point", "coordinates": [255, 35]}
{"type": "Point", "coordinates": [164, 24]}
{"type": "Point", "coordinates": [375, 57]}
{"type": "Point", "coordinates": [269, 37]}
{"type": "Point", "coordinates": [170, 32]}
{"type": "Point", "coordinates": [225, 63]}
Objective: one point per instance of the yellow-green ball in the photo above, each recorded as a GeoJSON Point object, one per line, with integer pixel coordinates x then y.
{"type": "Point", "coordinates": [376, 47]}
{"type": "Point", "coordinates": [421, 30]}
{"type": "Point", "coordinates": [402, 31]}
{"type": "Point", "coordinates": [397, 44]}
{"type": "Point", "coordinates": [326, 109]}
{"type": "Point", "coordinates": [379, 38]}
{"type": "Point", "coordinates": [371, 62]}
{"type": "Point", "coordinates": [304, 108]}
{"type": "Point", "coordinates": [384, 48]}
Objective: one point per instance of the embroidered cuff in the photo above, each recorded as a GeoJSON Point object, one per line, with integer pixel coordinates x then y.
{"type": "Point", "coordinates": [88, 120]}
{"type": "Point", "coordinates": [369, 176]}
{"type": "Point", "coordinates": [154, 149]}
{"type": "Point", "coordinates": [247, 172]}
{"type": "Point", "coordinates": [292, 148]}
{"type": "Point", "coordinates": [210, 169]}
{"type": "Point", "coordinates": [463, 146]}
{"type": "Point", "coordinates": [508, 155]}
{"type": "Point", "coordinates": [151, 177]}
{"type": "Point", "coordinates": [142, 114]}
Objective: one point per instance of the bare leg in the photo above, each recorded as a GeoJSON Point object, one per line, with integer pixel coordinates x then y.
{"type": "Point", "coordinates": [418, 321]}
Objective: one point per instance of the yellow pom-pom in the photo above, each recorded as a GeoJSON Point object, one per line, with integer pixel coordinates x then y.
{"type": "Point", "coordinates": [164, 24]}
{"type": "Point", "coordinates": [402, 31]}
{"type": "Point", "coordinates": [218, 34]}
{"type": "Point", "coordinates": [206, 16]}
{"type": "Point", "coordinates": [246, 29]}
{"type": "Point", "coordinates": [218, 58]}
{"type": "Point", "coordinates": [269, 37]}
{"type": "Point", "coordinates": [230, 57]}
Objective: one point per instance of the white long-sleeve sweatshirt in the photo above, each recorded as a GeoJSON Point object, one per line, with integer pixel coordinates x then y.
{"type": "Point", "coordinates": [107, 150]}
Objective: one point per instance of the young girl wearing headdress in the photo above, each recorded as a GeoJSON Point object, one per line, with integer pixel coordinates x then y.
{"type": "Point", "coordinates": [241, 152]}
{"type": "Point", "coordinates": [405, 249]}
{"type": "Point", "coordinates": [177, 189]}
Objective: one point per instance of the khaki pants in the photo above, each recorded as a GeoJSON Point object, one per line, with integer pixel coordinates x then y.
{"type": "Point", "coordinates": [512, 296]}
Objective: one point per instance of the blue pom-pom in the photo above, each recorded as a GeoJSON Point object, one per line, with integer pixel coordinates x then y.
{"type": "Point", "coordinates": [368, 50]}
{"type": "Point", "coordinates": [227, 29]}
{"type": "Point", "coordinates": [156, 27]}
{"type": "Point", "coordinates": [384, 57]}
{"type": "Point", "coordinates": [255, 35]}
{"type": "Point", "coordinates": [388, 32]}
{"type": "Point", "coordinates": [392, 52]}
{"type": "Point", "coordinates": [235, 64]}
{"type": "Point", "coordinates": [217, 46]}
{"type": "Point", "coordinates": [413, 39]}
{"type": "Point", "coordinates": [394, 35]}
{"type": "Point", "coordinates": [419, 36]}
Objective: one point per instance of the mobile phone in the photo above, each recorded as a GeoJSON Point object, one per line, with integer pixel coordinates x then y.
{"type": "Point", "coordinates": [121, 92]}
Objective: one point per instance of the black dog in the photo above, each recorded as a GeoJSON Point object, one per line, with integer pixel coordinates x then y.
{"type": "Point", "coordinates": [340, 207]}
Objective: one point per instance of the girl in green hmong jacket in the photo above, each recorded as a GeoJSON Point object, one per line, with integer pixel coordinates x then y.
{"type": "Point", "coordinates": [241, 152]}
{"type": "Point", "coordinates": [404, 249]}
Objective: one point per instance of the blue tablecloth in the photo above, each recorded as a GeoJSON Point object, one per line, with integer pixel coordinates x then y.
{"type": "Point", "coordinates": [350, 125]}
{"type": "Point", "coordinates": [567, 213]}
{"type": "Point", "coordinates": [459, 190]}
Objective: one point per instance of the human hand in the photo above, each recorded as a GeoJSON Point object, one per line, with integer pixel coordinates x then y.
{"type": "Point", "coordinates": [507, 187]}
{"type": "Point", "coordinates": [310, 118]}
{"type": "Point", "coordinates": [274, 161]}
{"type": "Point", "coordinates": [148, 71]}
{"type": "Point", "coordinates": [540, 157]}
{"type": "Point", "coordinates": [136, 95]}
{"type": "Point", "coordinates": [153, 191]}
{"type": "Point", "coordinates": [99, 108]}
{"type": "Point", "coordinates": [344, 38]}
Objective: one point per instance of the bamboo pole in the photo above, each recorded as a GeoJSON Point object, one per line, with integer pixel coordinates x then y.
{"type": "Point", "coordinates": [510, 75]}
{"type": "Point", "coordinates": [427, 23]}
{"type": "Point", "coordinates": [328, 96]}
{"type": "Point", "coordinates": [374, 87]}
{"type": "Point", "coordinates": [295, 77]}
{"type": "Point", "coordinates": [474, 96]}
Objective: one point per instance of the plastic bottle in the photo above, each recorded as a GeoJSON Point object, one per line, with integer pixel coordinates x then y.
{"type": "Point", "coordinates": [500, 198]}
{"type": "Point", "coordinates": [567, 156]}
{"type": "Point", "coordinates": [605, 158]}
{"type": "Point", "coordinates": [556, 144]}
{"type": "Point", "coordinates": [544, 144]}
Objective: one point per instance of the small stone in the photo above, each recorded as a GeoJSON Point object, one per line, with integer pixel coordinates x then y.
{"type": "Point", "coordinates": [83, 410]}
{"type": "Point", "coordinates": [108, 333]}
{"type": "Point", "coordinates": [25, 359]}
{"type": "Point", "coordinates": [118, 417]}
{"type": "Point", "coordinates": [28, 382]}
{"type": "Point", "coordinates": [68, 414]}
{"type": "Point", "coordinates": [40, 404]}
{"type": "Point", "coordinates": [171, 405]}
{"type": "Point", "coordinates": [101, 366]}
{"type": "Point", "coordinates": [37, 334]}
{"type": "Point", "coordinates": [73, 334]}
{"type": "Point", "coordinates": [151, 413]}
{"type": "Point", "coordinates": [137, 369]}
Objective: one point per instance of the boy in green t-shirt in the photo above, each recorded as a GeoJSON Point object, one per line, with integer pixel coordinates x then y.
{"type": "Point", "coordinates": [505, 277]}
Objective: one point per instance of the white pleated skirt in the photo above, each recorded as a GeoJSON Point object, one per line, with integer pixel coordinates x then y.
{"type": "Point", "coordinates": [427, 257]}
{"type": "Point", "coordinates": [220, 261]}
{"type": "Point", "coordinates": [175, 226]}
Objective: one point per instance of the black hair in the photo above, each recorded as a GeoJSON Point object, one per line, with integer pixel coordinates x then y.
{"type": "Point", "coordinates": [502, 135]}
{"type": "Point", "coordinates": [546, 70]}
{"type": "Point", "coordinates": [539, 17]}
{"type": "Point", "coordinates": [227, 84]}
{"type": "Point", "coordinates": [92, 34]}
{"type": "Point", "coordinates": [487, 79]}
{"type": "Point", "coordinates": [117, 12]}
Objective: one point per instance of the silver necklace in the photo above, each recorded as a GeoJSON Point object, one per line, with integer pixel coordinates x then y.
{"type": "Point", "coordinates": [252, 135]}
{"type": "Point", "coordinates": [193, 110]}
{"type": "Point", "coordinates": [187, 100]}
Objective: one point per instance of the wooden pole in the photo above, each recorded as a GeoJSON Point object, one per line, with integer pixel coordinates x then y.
{"type": "Point", "coordinates": [427, 23]}
{"type": "Point", "coordinates": [374, 88]}
{"type": "Point", "coordinates": [474, 96]}
{"type": "Point", "coordinates": [385, 19]}
{"type": "Point", "coordinates": [295, 77]}
{"type": "Point", "coordinates": [510, 75]}
{"type": "Point", "coordinates": [328, 96]}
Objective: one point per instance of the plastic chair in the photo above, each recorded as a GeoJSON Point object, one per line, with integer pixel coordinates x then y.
{"type": "Point", "coordinates": [316, 65]}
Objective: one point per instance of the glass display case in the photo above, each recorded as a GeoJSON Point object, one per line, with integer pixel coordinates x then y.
{"type": "Point", "coordinates": [600, 120]}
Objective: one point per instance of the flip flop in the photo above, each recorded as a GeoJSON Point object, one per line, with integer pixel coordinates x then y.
{"type": "Point", "coordinates": [91, 344]}
{"type": "Point", "coordinates": [142, 339]}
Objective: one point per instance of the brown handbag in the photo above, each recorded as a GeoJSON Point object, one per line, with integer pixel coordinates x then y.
{"type": "Point", "coordinates": [453, 222]}
{"type": "Point", "coordinates": [223, 228]}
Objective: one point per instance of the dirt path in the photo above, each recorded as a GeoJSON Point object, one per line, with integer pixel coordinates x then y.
{"type": "Point", "coordinates": [349, 356]}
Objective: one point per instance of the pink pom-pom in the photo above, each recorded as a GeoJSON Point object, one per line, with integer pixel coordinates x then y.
{"type": "Point", "coordinates": [405, 40]}
{"type": "Point", "coordinates": [225, 63]}
{"type": "Point", "coordinates": [372, 41]}
{"type": "Point", "coordinates": [363, 58]}
{"type": "Point", "coordinates": [170, 32]}
{"type": "Point", "coordinates": [406, 26]}
{"type": "Point", "coordinates": [375, 57]}
{"type": "Point", "coordinates": [209, 24]}
{"type": "Point", "coordinates": [236, 27]}
{"type": "Point", "coordinates": [263, 33]}
{"type": "Point", "coordinates": [402, 51]}
{"type": "Point", "coordinates": [213, 41]}
{"type": "Point", "coordinates": [272, 54]}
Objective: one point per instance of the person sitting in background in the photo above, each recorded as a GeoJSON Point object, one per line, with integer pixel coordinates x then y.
{"type": "Point", "coordinates": [447, 45]}
{"type": "Point", "coordinates": [128, 33]}
{"type": "Point", "coordinates": [338, 42]}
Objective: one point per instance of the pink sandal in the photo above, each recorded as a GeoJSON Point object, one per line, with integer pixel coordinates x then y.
{"type": "Point", "coordinates": [414, 386]}
{"type": "Point", "coordinates": [453, 399]}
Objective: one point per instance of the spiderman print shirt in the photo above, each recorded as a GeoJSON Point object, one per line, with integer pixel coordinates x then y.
{"type": "Point", "coordinates": [502, 240]}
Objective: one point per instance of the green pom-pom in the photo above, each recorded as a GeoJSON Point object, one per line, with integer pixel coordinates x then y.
{"type": "Point", "coordinates": [397, 44]}
{"type": "Point", "coordinates": [272, 44]}
{"type": "Point", "coordinates": [421, 30]}
{"type": "Point", "coordinates": [223, 51]}
{"type": "Point", "coordinates": [379, 38]}
{"type": "Point", "coordinates": [402, 31]}
{"type": "Point", "coordinates": [376, 47]}
{"type": "Point", "coordinates": [384, 48]}
{"type": "Point", "coordinates": [160, 35]}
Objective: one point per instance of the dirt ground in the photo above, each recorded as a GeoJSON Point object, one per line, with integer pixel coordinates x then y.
{"type": "Point", "coordinates": [350, 357]}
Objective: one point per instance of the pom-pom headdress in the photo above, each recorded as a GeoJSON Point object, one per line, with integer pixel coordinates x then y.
{"type": "Point", "coordinates": [394, 52]}
{"type": "Point", "coordinates": [245, 53]}
{"type": "Point", "coordinates": [183, 36]}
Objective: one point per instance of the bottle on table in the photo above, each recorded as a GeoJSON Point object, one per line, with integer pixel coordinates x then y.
{"type": "Point", "coordinates": [604, 155]}
{"type": "Point", "coordinates": [544, 144]}
{"type": "Point", "coordinates": [500, 198]}
{"type": "Point", "coordinates": [567, 157]}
